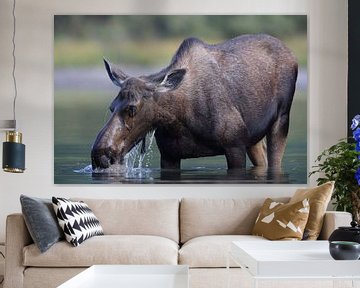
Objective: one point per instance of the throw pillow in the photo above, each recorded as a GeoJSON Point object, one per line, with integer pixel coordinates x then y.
{"type": "Point", "coordinates": [41, 222]}
{"type": "Point", "coordinates": [77, 220]}
{"type": "Point", "coordinates": [279, 221]}
{"type": "Point", "coordinates": [319, 198]}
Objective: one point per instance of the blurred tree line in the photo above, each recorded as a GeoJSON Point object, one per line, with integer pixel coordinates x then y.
{"type": "Point", "coordinates": [82, 40]}
{"type": "Point", "coordinates": [143, 27]}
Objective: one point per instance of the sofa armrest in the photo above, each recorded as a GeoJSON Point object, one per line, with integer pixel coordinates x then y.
{"type": "Point", "coordinates": [333, 220]}
{"type": "Point", "coordinates": [17, 237]}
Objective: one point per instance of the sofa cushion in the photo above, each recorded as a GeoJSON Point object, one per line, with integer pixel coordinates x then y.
{"type": "Point", "coordinates": [107, 249]}
{"type": "Point", "coordinates": [319, 198]}
{"type": "Point", "coordinates": [200, 217]}
{"type": "Point", "coordinates": [158, 217]}
{"type": "Point", "coordinates": [41, 221]}
{"type": "Point", "coordinates": [77, 220]}
{"type": "Point", "coordinates": [211, 251]}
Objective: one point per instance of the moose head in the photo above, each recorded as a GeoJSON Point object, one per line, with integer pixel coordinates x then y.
{"type": "Point", "coordinates": [135, 111]}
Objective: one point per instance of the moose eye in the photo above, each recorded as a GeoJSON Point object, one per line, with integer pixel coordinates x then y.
{"type": "Point", "coordinates": [131, 110]}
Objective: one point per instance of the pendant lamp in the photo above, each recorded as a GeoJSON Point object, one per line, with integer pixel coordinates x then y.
{"type": "Point", "coordinates": [13, 149]}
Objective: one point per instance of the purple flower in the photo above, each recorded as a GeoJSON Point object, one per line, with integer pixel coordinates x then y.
{"type": "Point", "coordinates": [356, 134]}
{"type": "Point", "coordinates": [357, 176]}
{"type": "Point", "coordinates": [355, 122]}
{"type": "Point", "coordinates": [355, 126]}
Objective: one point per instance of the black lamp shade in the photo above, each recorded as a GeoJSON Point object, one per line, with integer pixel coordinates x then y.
{"type": "Point", "coordinates": [13, 157]}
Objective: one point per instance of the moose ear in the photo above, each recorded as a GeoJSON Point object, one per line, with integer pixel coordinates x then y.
{"type": "Point", "coordinates": [116, 75]}
{"type": "Point", "coordinates": [172, 80]}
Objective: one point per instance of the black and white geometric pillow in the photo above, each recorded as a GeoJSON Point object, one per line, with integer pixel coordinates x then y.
{"type": "Point", "coordinates": [77, 220]}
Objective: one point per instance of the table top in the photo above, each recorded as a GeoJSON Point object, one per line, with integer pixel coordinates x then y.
{"type": "Point", "coordinates": [291, 259]}
{"type": "Point", "coordinates": [131, 276]}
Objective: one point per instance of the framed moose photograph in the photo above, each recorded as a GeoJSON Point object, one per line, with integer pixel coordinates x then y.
{"type": "Point", "coordinates": [180, 99]}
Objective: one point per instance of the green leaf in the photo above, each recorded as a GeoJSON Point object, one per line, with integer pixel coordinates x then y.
{"type": "Point", "coordinates": [339, 163]}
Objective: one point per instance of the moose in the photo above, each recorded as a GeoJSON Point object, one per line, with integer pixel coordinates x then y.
{"type": "Point", "coordinates": [232, 99]}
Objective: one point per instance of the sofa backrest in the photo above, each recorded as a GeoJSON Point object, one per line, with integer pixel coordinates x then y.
{"type": "Point", "coordinates": [159, 217]}
{"type": "Point", "coordinates": [200, 217]}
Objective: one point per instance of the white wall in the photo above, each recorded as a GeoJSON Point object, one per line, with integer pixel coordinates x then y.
{"type": "Point", "coordinates": [327, 94]}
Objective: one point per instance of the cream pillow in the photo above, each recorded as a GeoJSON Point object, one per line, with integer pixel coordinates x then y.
{"type": "Point", "coordinates": [279, 221]}
{"type": "Point", "coordinates": [319, 198]}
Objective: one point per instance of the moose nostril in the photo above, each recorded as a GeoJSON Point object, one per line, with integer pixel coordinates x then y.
{"type": "Point", "coordinates": [104, 161]}
{"type": "Point", "coordinates": [100, 160]}
{"type": "Point", "coordinates": [104, 158]}
{"type": "Point", "coordinates": [111, 157]}
{"type": "Point", "coordinates": [112, 161]}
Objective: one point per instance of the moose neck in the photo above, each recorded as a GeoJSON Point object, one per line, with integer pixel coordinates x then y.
{"type": "Point", "coordinates": [169, 110]}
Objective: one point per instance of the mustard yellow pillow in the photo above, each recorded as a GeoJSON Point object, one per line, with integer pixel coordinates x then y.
{"type": "Point", "coordinates": [279, 221]}
{"type": "Point", "coordinates": [319, 198]}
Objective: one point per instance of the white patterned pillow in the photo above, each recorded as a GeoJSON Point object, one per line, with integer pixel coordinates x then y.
{"type": "Point", "coordinates": [77, 220]}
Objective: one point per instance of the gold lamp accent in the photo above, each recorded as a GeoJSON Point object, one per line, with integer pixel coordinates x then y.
{"type": "Point", "coordinates": [14, 136]}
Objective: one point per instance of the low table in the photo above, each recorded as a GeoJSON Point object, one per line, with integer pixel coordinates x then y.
{"type": "Point", "coordinates": [293, 260]}
{"type": "Point", "coordinates": [131, 276]}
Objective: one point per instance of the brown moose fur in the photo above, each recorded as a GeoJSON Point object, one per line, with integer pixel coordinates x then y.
{"type": "Point", "coordinates": [222, 99]}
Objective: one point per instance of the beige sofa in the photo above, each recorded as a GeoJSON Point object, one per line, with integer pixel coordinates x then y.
{"type": "Point", "coordinates": [194, 232]}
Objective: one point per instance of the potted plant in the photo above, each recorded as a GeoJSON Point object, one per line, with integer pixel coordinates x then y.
{"type": "Point", "coordinates": [341, 163]}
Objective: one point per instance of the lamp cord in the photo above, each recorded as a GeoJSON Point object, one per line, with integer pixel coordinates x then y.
{"type": "Point", "coordinates": [14, 61]}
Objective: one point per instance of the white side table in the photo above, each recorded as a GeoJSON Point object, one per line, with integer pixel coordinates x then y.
{"type": "Point", "coordinates": [287, 261]}
{"type": "Point", "coordinates": [131, 276]}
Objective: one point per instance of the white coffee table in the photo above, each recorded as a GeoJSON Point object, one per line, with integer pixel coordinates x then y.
{"type": "Point", "coordinates": [296, 260]}
{"type": "Point", "coordinates": [131, 276]}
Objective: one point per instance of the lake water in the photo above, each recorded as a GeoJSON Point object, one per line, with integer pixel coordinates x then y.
{"type": "Point", "coordinates": [81, 111]}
